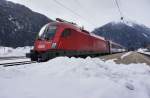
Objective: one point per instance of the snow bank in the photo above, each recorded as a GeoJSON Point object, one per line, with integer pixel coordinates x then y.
{"type": "Point", "coordinates": [65, 77]}
{"type": "Point", "coordinates": [20, 51]}
{"type": "Point", "coordinates": [145, 51]}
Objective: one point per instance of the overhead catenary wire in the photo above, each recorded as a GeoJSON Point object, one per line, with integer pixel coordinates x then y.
{"type": "Point", "coordinates": [75, 13]}
{"type": "Point", "coordinates": [78, 3]}
{"type": "Point", "coordinates": [80, 6]}
{"type": "Point", "coordinates": [118, 7]}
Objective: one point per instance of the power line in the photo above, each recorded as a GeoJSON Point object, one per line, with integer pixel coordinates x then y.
{"type": "Point", "coordinates": [72, 11]}
{"type": "Point", "coordinates": [81, 6]}
{"type": "Point", "coordinates": [117, 4]}
{"type": "Point", "coordinates": [78, 3]}
{"type": "Point", "coordinates": [83, 9]}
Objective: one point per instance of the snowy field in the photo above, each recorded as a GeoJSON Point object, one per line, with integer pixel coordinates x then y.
{"type": "Point", "coordinates": [64, 77]}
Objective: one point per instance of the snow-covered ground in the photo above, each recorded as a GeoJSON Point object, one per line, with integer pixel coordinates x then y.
{"type": "Point", "coordinates": [20, 51]}
{"type": "Point", "coordinates": [64, 77]}
{"type": "Point", "coordinates": [145, 51]}
{"type": "Point", "coordinates": [126, 54]}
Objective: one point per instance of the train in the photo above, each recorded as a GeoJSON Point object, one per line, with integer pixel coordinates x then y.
{"type": "Point", "coordinates": [63, 38]}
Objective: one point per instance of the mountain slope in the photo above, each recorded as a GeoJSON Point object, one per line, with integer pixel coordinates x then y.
{"type": "Point", "coordinates": [130, 35]}
{"type": "Point", "coordinates": [18, 24]}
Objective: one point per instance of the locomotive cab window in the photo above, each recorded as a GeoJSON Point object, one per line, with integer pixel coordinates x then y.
{"type": "Point", "coordinates": [47, 32]}
{"type": "Point", "coordinates": [66, 33]}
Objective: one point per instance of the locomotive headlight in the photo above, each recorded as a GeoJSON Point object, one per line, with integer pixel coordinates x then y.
{"type": "Point", "coordinates": [54, 45]}
{"type": "Point", "coordinates": [41, 46]}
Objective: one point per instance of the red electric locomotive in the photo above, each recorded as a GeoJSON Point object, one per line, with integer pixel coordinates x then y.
{"type": "Point", "coordinates": [62, 38]}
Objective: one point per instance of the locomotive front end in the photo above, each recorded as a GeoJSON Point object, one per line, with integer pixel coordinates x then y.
{"type": "Point", "coordinates": [44, 42]}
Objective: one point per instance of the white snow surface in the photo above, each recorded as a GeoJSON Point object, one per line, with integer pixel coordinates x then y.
{"type": "Point", "coordinates": [8, 51]}
{"type": "Point", "coordinates": [145, 51]}
{"type": "Point", "coordinates": [64, 77]}
{"type": "Point", "coordinates": [126, 54]}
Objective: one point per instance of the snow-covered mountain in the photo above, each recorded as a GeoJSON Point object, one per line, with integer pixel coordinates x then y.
{"type": "Point", "coordinates": [129, 34]}
{"type": "Point", "coordinates": [18, 24]}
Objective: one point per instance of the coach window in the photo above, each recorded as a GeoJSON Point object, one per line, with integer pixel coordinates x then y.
{"type": "Point", "coordinates": [66, 33]}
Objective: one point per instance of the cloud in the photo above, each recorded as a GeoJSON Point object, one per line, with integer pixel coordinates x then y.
{"type": "Point", "coordinates": [94, 13]}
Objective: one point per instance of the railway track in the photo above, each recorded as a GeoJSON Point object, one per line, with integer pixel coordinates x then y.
{"type": "Point", "coordinates": [12, 57]}
{"type": "Point", "coordinates": [16, 63]}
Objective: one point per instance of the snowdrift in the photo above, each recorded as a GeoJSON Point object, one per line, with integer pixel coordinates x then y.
{"type": "Point", "coordinates": [64, 77]}
{"type": "Point", "coordinates": [8, 51]}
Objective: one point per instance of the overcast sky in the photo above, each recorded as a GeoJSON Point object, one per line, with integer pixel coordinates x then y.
{"type": "Point", "coordinates": [92, 13]}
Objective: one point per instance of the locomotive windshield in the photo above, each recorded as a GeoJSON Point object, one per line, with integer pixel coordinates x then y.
{"type": "Point", "coordinates": [47, 32]}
